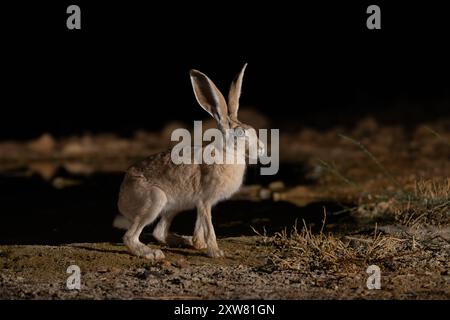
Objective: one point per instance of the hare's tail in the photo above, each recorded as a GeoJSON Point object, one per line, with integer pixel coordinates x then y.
{"type": "Point", "coordinates": [121, 222]}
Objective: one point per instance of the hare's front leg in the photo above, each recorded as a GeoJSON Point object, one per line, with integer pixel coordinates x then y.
{"type": "Point", "coordinates": [199, 240]}
{"type": "Point", "coordinates": [155, 200]}
{"type": "Point", "coordinates": [204, 215]}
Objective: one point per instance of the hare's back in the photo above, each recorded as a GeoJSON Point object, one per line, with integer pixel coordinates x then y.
{"type": "Point", "coordinates": [177, 180]}
{"type": "Point", "coordinates": [151, 167]}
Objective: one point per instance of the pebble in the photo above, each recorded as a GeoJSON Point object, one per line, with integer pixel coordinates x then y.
{"type": "Point", "coordinates": [276, 186]}
{"type": "Point", "coordinates": [265, 194]}
{"type": "Point", "coordinates": [181, 263]}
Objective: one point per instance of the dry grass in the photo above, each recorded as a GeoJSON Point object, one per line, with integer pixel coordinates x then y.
{"type": "Point", "coordinates": [426, 202]}
{"type": "Point", "coordinates": [306, 251]}
{"type": "Point", "coordinates": [403, 187]}
{"type": "Point", "coordinates": [430, 204]}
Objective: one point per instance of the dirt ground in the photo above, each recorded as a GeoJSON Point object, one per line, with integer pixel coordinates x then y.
{"type": "Point", "coordinates": [109, 272]}
{"type": "Point", "coordinates": [344, 199]}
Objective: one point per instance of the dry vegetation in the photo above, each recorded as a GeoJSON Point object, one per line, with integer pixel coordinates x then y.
{"type": "Point", "coordinates": [399, 190]}
{"type": "Point", "coordinates": [306, 251]}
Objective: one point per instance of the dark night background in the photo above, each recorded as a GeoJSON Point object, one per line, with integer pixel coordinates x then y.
{"type": "Point", "coordinates": [308, 64]}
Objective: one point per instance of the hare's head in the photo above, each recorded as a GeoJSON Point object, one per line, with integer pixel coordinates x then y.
{"type": "Point", "coordinates": [226, 114]}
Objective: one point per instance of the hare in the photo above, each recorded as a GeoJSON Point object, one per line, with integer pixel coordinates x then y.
{"type": "Point", "coordinates": [157, 187]}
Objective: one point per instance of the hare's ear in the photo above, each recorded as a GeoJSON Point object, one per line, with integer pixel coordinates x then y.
{"type": "Point", "coordinates": [235, 93]}
{"type": "Point", "coordinates": [210, 98]}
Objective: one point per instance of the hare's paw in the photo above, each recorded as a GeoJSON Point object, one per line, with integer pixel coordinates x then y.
{"type": "Point", "coordinates": [176, 240]}
{"type": "Point", "coordinates": [199, 244]}
{"type": "Point", "coordinates": [215, 253]}
{"type": "Point", "coordinates": [142, 250]}
{"type": "Point", "coordinates": [154, 254]}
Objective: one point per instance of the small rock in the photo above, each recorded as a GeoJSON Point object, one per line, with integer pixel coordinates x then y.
{"type": "Point", "coordinates": [277, 196]}
{"type": "Point", "coordinates": [115, 270]}
{"type": "Point", "coordinates": [175, 281]}
{"type": "Point", "coordinates": [61, 183]}
{"type": "Point", "coordinates": [142, 273]}
{"type": "Point", "coordinates": [166, 263]}
{"type": "Point", "coordinates": [265, 194]}
{"type": "Point", "coordinates": [44, 144]}
{"type": "Point", "coordinates": [276, 186]}
{"type": "Point", "coordinates": [44, 169]}
{"type": "Point", "coordinates": [102, 270]}
{"type": "Point", "coordinates": [181, 263]}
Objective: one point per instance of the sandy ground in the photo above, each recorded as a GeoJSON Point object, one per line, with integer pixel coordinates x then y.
{"type": "Point", "coordinates": [109, 272]}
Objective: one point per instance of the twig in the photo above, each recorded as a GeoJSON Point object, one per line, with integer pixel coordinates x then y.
{"type": "Point", "coordinates": [372, 157]}
{"type": "Point", "coordinates": [358, 239]}
{"type": "Point", "coordinates": [324, 219]}
{"type": "Point", "coordinates": [336, 172]}
{"type": "Point", "coordinates": [437, 135]}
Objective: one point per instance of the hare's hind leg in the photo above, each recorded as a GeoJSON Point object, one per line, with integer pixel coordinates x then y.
{"type": "Point", "coordinates": [161, 232]}
{"type": "Point", "coordinates": [153, 202]}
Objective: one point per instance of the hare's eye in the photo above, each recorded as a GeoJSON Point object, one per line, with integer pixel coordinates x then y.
{"type": "Point", "coordinates": [239, 132]}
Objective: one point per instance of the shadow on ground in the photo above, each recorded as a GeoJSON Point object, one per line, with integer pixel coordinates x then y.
{"type": "Point", "coordinates": [33, 211]}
